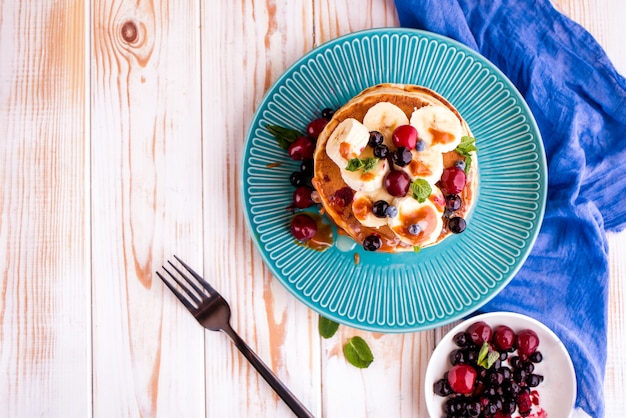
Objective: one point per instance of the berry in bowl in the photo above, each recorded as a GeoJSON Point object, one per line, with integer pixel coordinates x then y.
{"type": "Point", "coordinates": [501, 365]}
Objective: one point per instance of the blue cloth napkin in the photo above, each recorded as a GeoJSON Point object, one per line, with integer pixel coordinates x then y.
{"type": "Point", "coordinates": [579, 102]}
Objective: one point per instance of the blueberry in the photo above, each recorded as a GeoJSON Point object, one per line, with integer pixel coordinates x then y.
{"type": "Point", "coordinates": [460, 164]}
{"type": "Point", "coordinates": [420, 145]}
{"type": "Point", "coordinates": [379, 208]}
{"type": "Point", "coordinates": [453, 202]}
{"type": "Point", "coordinates": [381, 151]}
{"type": "Point", "coordinates": [391, 211]}
{"type": "Point", "coordinates": [297, 179]}
{"type": "Point", "coordinates": [306, 167]}
{"type": "Point", "coordinates": [456, 224]}
{"type": "Point", "coordinates": [376, 139]}
{"type": "Point", "coordinates": [415, 229]}
{"type": "Point", "coordinates": [328, 113]}
{"type": "Point", "coordinates": [402, 156]}
{"type": "Point", "coordinates": [536, 357]}
{"type": "Point", "coordinates": [372, 243]}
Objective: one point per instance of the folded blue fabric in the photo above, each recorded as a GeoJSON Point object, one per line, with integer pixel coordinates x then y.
{"type": "Point", "coordinates": [579, 103]}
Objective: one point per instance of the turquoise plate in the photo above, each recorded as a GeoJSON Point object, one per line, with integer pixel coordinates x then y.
{"type": "Point", "coordinates": [411, 291]}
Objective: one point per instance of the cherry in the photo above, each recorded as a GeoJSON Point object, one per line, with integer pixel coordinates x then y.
{"type": "Point", "coordinates": [461, 378]}
{"type": "Point", "coordinates": [303, 227]}
{"type": "Point", "coordinates": [301, 149]}
{"type": "Point", "coordinates": [479, 332]}
{"type": "Point", "coordinates": [453, 180]}
{"type": "Point", "coordinates": [397, 183]}
{"type": "Point", "coordinates": [503, 337]}
{"type": "Point", "coordinates": [302, 197]}
{"type": "Point", "coordinates": [527, 342]}
{"type": "Point", "coordinates": [404, 136]}
{"type": "Point", "coordinates": [315, 127]}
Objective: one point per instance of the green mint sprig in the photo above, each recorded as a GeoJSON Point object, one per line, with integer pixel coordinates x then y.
{"type": "Point", "coordinates": [327, 327]}
{"type": "Point", "coordinates": [421, 190]}
{"type": "Point", "coordinates": [284, 136]}
{"type": "Point", "coordinates": [486, 356]}
{"type": "Point", "coordinates": [367, 164]}
{"type": "Point", "coordinates": [358, 353]}
{"type": "Point", "coordinates": [465, 148]}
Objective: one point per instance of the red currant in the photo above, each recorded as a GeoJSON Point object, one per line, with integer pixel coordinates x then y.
{"type": "Point", "coordinates": [315, 127]}
{"type": "Point", "coordinates": [453, 180]}
{"type": "Point", "coordinates": [303, 227]}
{"type": "Point", "coordinates": [461, 378]}
{"type": "Point", "coordinates": [397, 183]}
{"type": "Point", "coordinates": [301, 149]}
{"type": "Point", "coordinates": [404, 136]}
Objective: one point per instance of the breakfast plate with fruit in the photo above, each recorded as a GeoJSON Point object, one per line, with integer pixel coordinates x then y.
{"type": "Point", "coordinates": [500, 364]}
{"type": "Point", "coordinates": [393, 180]}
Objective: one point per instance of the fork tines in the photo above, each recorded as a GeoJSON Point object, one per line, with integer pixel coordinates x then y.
{"type": "Point", "coordinates": [194, 293]}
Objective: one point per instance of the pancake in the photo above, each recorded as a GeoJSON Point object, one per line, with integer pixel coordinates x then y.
{"type": "Point", "coordinates": [348, 193]}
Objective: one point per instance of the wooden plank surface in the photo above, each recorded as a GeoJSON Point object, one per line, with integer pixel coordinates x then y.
{"type": "Point", "coordinates": [121, 133]}
{"type": "Point", "coordinates": [146, 204]}
{"type": "Point", "coordinates": [45, 319]}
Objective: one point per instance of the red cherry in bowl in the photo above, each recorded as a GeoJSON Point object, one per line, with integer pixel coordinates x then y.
{"type": "Point", "coordinates": [461, 378]}
{"type": "Point", "coordinates": [503, 337]}
{"type": "Point", "coordinates": [527, 342]}
{"type": "Point", "coordinates": [479, 332]}
{"type": "Point", "coordinates": [404, 136]}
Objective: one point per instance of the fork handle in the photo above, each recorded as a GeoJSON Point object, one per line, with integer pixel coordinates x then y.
{"type": "Point", "coordinates": [290, 399]}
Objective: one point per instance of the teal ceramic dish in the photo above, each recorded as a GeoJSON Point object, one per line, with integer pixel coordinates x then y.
{"type": "Point", "coordinates": [411, 291]}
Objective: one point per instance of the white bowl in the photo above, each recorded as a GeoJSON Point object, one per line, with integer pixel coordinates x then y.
{"type": "Point", "coordinates": [558, 389]}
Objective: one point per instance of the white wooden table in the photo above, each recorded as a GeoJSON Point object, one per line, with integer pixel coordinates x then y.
{"type": "Point", "coordinates": [121, 133]}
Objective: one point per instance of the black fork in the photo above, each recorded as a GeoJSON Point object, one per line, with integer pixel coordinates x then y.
{"type": "Point", "coordinates": [213, 312]}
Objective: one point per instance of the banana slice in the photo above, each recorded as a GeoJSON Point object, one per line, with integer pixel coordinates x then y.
{"type": "Point", "coordinates": [362, 207]}
{"type": "Point", "coordinates": [427, 165]}
{"type": "Point", "coordinates": [347, 141]}
{"type": "Point", "coordinates": [369, 181]}
{"type": "Point", "coordinates": [417, 224]}
{"type": "Point", "coordinates": [438, 127]}
{"type": "Point", "coordinates": [385, 117]}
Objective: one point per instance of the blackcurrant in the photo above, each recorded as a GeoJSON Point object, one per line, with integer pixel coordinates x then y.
{"type": "Point", "coordinates": [372, 243]}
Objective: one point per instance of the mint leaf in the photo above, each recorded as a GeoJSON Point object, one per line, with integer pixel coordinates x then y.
{"type": "Point", "coordinates": [467, 145]}
{"type": "Point", "coordinates": [417, 249]}
{"type": "Point", "coordinates": [358, 353]}
{"type": "Point", "coordinates": [327, 327]}
{"type": "Point", "coordinates": [486, 356]}
{"type": "Point", "coordinates": [482, 354]}
{"type": "Point", "coordinates": [354, 164]}
{"type": "Point", "coordinates": [369, 164]}
{"type": "Point", "coordinates": [284, 136]}
{"type": "Point", "coordinates": [421, 190]}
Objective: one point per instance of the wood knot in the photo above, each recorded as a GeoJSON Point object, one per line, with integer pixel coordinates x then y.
{"type": "Point", "coordinates": [130, 32]}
